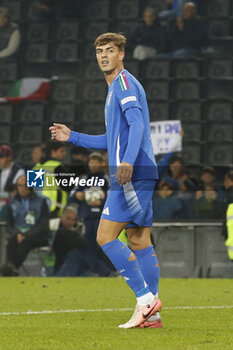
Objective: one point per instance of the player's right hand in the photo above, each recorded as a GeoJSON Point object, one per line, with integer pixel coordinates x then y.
{"type": "Point", "coordinates": [59, 132]}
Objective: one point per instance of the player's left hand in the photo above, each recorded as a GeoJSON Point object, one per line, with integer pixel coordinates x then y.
{"type": "Point", "coordinates": [124, 173]}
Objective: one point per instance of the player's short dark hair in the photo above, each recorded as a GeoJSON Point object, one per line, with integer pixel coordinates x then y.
{"type": "Point", "coordinates": [117, 38]}
{"type": "Point", "coordinates": [96, 155]}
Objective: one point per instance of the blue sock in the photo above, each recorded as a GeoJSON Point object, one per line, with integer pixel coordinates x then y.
{"type": "Point", "coordinates": [149, 267]}
{"type": "Point", "coordinates": [119, 255]}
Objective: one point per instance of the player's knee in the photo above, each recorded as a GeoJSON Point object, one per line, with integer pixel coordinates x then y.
{"type": "Point", "coordinates": [101, 238]}
{"type": "Point", "coordinates": [136, 244]}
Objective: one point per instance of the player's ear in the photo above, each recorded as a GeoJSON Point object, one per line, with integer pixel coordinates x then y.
{"type": "Point", "coordinates": [122, 55]}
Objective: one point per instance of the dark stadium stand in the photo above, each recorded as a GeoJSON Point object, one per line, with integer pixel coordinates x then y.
{"type": "Point", "coordinates": [30, 112]}
{"type": "Point", "coordinates": [8, 72]}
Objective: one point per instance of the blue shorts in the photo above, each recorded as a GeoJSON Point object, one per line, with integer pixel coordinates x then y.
{"type": "Point", "coordinates": [131, 203]}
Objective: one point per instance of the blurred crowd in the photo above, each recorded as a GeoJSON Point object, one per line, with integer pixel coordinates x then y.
{"type": "Point", "coordinates": [66, 218]}
{"type": "Point", "coordinates": [177, 32]}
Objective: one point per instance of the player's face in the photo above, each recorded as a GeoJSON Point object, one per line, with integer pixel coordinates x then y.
{"type": "Point", "coordinates": [109, 57]}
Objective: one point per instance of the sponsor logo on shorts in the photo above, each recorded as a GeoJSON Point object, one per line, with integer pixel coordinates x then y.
{"type": "Point", "coordinates": [106, 211]}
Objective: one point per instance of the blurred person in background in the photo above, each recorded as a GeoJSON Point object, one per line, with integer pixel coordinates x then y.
{"type": "Point", "coordinates": [53, 167]}
{"type": "Point", "coordinates": [167, 206]}
{"type": "Point", "coordinates": [176, 8]}
{"type": "Point", "coordinates": [227, 230]}
{"type": "Point", "coordinates": [79, 160]}
{"type": "Point", "coordinates": [176, 170]}
{"type": "Point", "coordinates": [148, 38]}
{"type": "Point", "coordinates": [186, 194]}
{"type": "Point", "coordinates": [67, 238]}
{"type": "Point", "coordinates": [208, 206]}
{"type": "Point", "coordinates": [72, 256]}
{"type": "Point", "coordinates": [10, 170]}
{"type": "Point", "coordinates": [187, 35]}
{"type": "Point", "coordinates": [226, 189]}
{"type": "Point", "coordinates": [91, 201]}
{"type": "Point", "coordinates": [9, 35]}
{"type": "Point", "coordinates": [38, 154]}
{"type": "Point", "coordinates": [27, 225]}
{"type": "Point", "coordinates": [207, 178]}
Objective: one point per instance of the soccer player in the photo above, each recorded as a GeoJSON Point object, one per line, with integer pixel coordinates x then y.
{"type": "Point", "coordinates": [133, 173]}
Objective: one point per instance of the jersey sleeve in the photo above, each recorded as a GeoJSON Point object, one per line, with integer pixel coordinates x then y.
{"type": "Point", "coordinates": [127, 93]}
{"type": "Point", "coordinates": [88, 141]}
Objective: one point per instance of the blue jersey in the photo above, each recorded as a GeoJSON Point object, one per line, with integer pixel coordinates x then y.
{"type": "Point", "coordinates": [126, 93]}
{"type": "Point", "coordinates": [127, 137]}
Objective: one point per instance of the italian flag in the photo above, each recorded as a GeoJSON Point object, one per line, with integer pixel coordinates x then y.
{"type": "Point", "coordinates": [28, 89]}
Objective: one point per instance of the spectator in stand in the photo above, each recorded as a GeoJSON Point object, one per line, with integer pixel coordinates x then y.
{"type": "Point", "coordinates": [167, 206]}
{"type": "Point", "coordinates": [10, 170]}
{"type": "Point", "coordinates": [27, 224]}
{"type": "Point", "coordinates": [38, 153]}
{"type": "Point", "coordinates": [67, 237]}
{"type": "Point", "coordinates": [56, 195]}
{"type": "Point", "coordinates": [226, 189]}
{"type": "Point", "coordinates": [176, 170]}
{"type": "Point", "coordinates": [207, 177]}
{"type": "Point", "coordinates": [148, 38]}
{"type": "Point", "coordinates": [188, 35]}
{"type": "Point", "coordinates": [9, 35]}
{"type": "Point", "coordinates": [91, 201]}
{"type": "Point", "coordinates": [79, 160]}
{"type": "Point", "coordinates": [208, 206]}
{"type": "Point", "coordinates": [72, 258]}
{"type": "Point", "coordinates": [176, 9]}
{"type": "Point", "coordinates": [227, 230]}
{"type": "Point", "coordinates": [186, 194]}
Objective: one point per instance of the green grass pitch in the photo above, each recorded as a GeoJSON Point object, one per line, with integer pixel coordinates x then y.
{"type": "Point", "coordinates": [191, 328]}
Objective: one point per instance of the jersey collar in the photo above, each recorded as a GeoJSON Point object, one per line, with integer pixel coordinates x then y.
{"type": "Point", "coordinates": [119, 73]}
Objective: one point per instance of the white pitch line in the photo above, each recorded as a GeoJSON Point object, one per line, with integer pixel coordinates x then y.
{"type": "Point", "coordinates": [29, 312]}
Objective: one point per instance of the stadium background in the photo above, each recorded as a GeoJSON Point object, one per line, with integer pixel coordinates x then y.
{"type": "Point", "coordinates": [198, 91]}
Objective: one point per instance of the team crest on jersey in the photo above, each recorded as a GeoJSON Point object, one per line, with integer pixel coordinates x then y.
{"type": "Point", "coordinates": [110, 97]}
